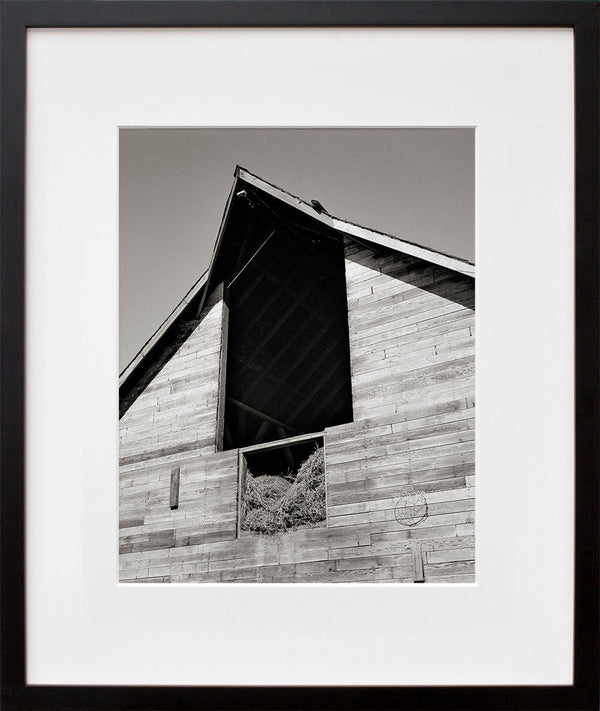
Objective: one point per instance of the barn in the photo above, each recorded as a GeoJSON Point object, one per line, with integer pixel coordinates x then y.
{"type": "Point", "coordinates": [308, 335]}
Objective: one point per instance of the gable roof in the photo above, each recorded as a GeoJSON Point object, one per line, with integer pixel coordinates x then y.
{"type": "Point", "coordinates": [185, 316]}
{"type": "Point", "coordinates": [353, 230]}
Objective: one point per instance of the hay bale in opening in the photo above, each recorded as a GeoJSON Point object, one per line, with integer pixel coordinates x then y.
{"type": "Point", "coordinates": [262, 496]}
{"type": "Point", "coordinates": [304, 502]}
{"type": "Point", "coordinates": [272, 504]}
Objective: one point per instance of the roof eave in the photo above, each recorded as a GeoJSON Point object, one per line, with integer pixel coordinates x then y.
{"type": "Point", "coordinates": [429, 255]}
{"type": "Point", "coordinates": [163, 328]}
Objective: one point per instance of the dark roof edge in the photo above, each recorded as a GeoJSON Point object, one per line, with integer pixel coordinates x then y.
{"type": "Point", "coordinates": [352, 229]}
{"type": "Point", "coordinates": [190, 295]}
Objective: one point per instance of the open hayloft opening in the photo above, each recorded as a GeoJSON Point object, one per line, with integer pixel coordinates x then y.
{"type": "Point", "coordinates": [283, 488]}
{"type": "Point", "coordinates": [288, 362]}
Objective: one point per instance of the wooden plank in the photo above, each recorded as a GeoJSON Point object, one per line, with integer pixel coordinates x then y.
{"type": "Point", "coordinates": [417, 377]}
{"type": "Point", "coordinates": [288, 441]}
{"type": "Point", "coordinates": [388, 289]}
{"type": "Point", "coordinates": [412, 427]}
{"type": "Point", "coordinates": [242, 471]}
{"type": "Point", "coordinates": [411, 353]}
{"type": "Point", "coordinates": [450, 556]}
{"type": "Point", "coordinates": [370, 400]}
{"type": "Point", "coordinates": [411, 448]}
{"type": "Point", "coordinates": [194, 538]}
{"type": "Point", "coordinates": [403, 285]}
{"type": "Point", "coordinates": [259, 414]}
{"type": "Point", "coordinates": [433, 392]}
{"type": "Point", "coordinates": [401, 310]}
{"type": "Point", "coordinates": [384, 521]}
{"type": "Point", "coordinates": [385, 328]}
{"type": "Point", "coordinates": [382, 406]}
{"type": "Point", "coordinates": [361, 562]}
{"type": "Point", "coordinates": [445, 544]}
{"type": "Point", "coordinates": [174, 488]}
{"type": "Point", "coordinates": [370, 271]}
{"type": "Point", "coordinates": [163, 452]}
{"type": "Point", "coordinates": [401, 464]}
{"type": "Point", "coordinates": [239, 563]}
{"type": "Point", "coordinates": [459, 567]}
{"type": "Point", "coordinates": [452, 505]}
{"type": "Point", "coordinates": [243, 269]}
{"type": "Point", "coordinates": [412, 415]}
{"type": "Point", "coordinates": [131, 522]}
{"type": "Point", "coordinates": [350, 493]}
{"type": "Point", "coordinates": [262, 431]}
{"type": "Point", "coordinates": [220, 430]}
{"type": "Point", "coordinates": [391, 535]}
{"type": "Point", "coordinates": [387, 516]}
{"type": "Point", "coordinates": [373, 549]}
{"type": "Point", "coordinates": [205, 378]}
{"type": "Point", "coordinates": [452, 316]}
{"type": "Point", "coordinates": [417, 562]}
{"type": "Point", "coordinates": [186, 433]}
{"type": "Point", "coordinates": [413, 438]}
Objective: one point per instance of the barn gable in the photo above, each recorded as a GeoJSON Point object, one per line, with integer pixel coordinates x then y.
{"type": "Point", "coordinates": [305, 328]}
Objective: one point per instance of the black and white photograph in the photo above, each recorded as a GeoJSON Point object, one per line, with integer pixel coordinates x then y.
{"type": "Point", "coordinates": [245, 393]}
{"type": "Point", "coordinates": [297, 344]}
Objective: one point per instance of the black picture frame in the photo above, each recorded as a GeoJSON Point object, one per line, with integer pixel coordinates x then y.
{"type": "Point", "coordinates": [16, 16]}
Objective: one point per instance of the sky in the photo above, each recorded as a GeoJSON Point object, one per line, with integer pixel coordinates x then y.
{"type": "Point", "coordinates": [415, 184]}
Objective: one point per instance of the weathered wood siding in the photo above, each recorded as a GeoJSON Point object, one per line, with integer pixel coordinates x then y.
{"type": "Point", "coordinates": [412, 351]}
{"type": "Point", "coordinates": [174, 424]}
{"type": "Point", "coordinates": [177, 412]}
{"type": "Point", "coordinates": [197, 542]}
{"type": "Point", "coordinates": [412, 356]}
{"type": "Point", "coordinates": [412, 328]}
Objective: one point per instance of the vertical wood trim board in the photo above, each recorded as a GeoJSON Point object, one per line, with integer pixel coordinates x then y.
{"type": "Point", "coordinates": [241, 480]}
{"type": "Point", "coordinates": [417, 559]}
{"type": "Point", "coordinates": [220, 431]}
{"type": "Point", "coordinates": [174, 490]}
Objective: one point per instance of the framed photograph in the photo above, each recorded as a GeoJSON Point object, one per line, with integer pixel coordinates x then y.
{"type": "Point", "coordinates": [305, 414]}
{"type": "Point", "coordinates": [264, 443]}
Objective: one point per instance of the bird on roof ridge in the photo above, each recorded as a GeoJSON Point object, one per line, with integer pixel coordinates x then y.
{"type": "Point", "coordinates": [318, 207]}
